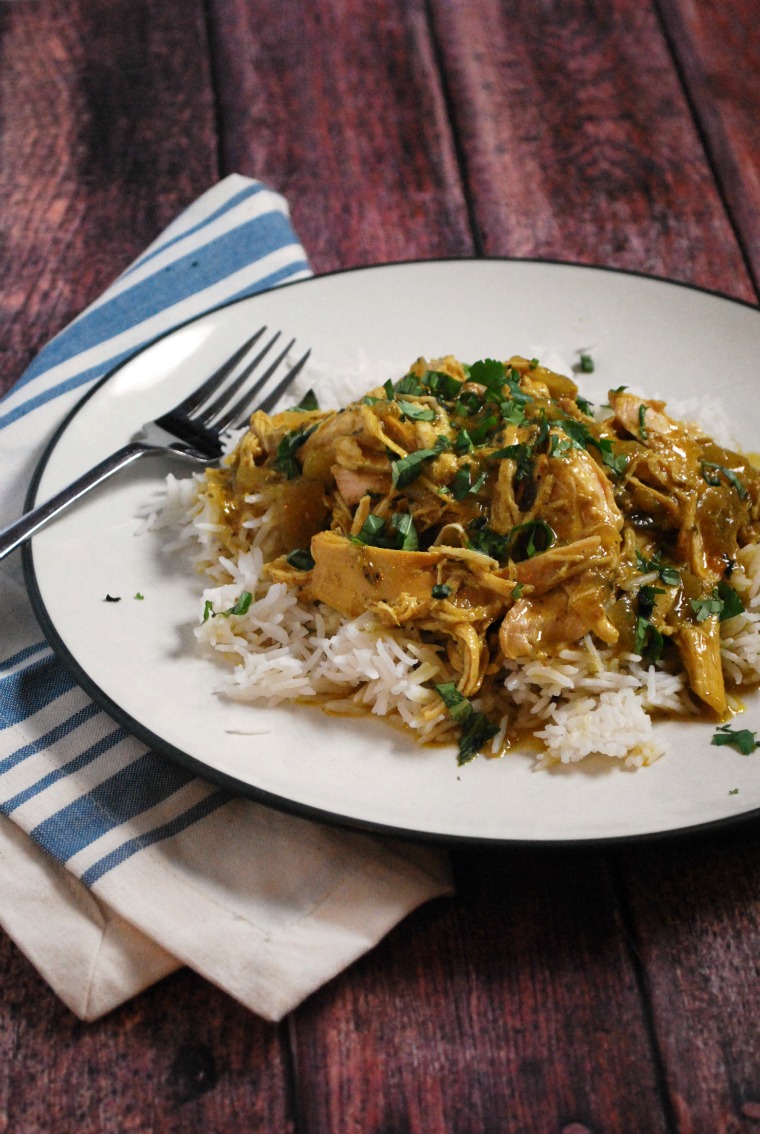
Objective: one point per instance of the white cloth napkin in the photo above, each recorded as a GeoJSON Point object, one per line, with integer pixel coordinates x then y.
{"type": "Point", "coordinates": [117, 866]}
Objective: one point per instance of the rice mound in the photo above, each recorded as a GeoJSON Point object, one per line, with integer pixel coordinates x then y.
{"type": "Point", "coordinates": [587, 701]}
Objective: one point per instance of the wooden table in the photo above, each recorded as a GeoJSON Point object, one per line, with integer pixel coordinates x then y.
{"type": "Point", "coordinates": [611, 990]}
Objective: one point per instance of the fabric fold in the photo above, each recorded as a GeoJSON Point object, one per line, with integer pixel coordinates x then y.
{"type": "Point", "coordinates": [118, 865]}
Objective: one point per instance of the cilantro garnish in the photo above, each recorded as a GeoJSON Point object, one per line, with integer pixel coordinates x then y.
{"type": "Point", "coordinates": [587, 364]}
{"type": "Point", "coordinates": [537, 532]}
{"type": "Point", "coordinates": [441, 591]}
{"type": "Point", "coordinates": [584, 405]}
{"type": "Point", "coordinates": [401, 536]}
{"type": "Point", "coordinates": [643, 433]}
{"type": "Point", "coordinates": [476, 729]}
{"type": "Point", "coordinates": [741, 739]}
{"type": "Point", "coordinates": [723, 601]}
{"type": "Point", "coordinates": [300, 558]}
{"type": "Point", "coordinates": [442, 385]}
{"type": "Point", "coordinates": [414, 411]}
{"type": "Point", "coordinates": [405, 470]}
{"type": "Point", "coordinates": [410, 384]}
{"type": "Point", "coordinates": [139, 596]}
{"type": "Point", "coordinates": [522, 455]}
{"type": "Point", "coordinates": [240, 607]}
{"type": "Point", "coordinates": [112, 598]}
{"type": "Point", "coordinates": [669, 575]}
{"type": "Point", "coordinates": [712, 474]}
{"type": "Point", "coordinates": [285, 457]}
{"type": "Point", "coordinates": [462, 485]}
{"type": "Point", "coordinates": [307, 402]}
{"type": "Point", "coordinates": [648, 641]}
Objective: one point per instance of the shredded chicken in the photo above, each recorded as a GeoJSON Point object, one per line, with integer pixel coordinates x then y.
{"type": "Point", "coordinates": [489, 507]}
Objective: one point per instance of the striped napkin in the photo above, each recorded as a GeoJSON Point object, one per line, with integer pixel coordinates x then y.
{"type": "Point", "coordinates": [116, 865]}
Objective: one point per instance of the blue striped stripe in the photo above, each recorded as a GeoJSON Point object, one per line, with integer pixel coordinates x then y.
{"type": "Point", "coordinates": [167, 831]}
{"type": "Point", "coordinates": [134, 789]}
{"type": "Point", "coordinates": [24, 693]}
{"type": "Point", "coordinates": [27, 652]}
{"type": "Point", "coordinates": [94, 752]}
{"type": "Point", "coordinates": [72, 383]}
{"type": "Point", "coordinates": [233, 202]}
{"type": "Point", "coordinates": [178, 281]}
{"type": "Point", "coordinates": [49, 738]}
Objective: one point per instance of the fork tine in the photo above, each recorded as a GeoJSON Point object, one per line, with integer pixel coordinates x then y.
{"type": "Point", "coordinates": [237, 410]}
{"type": "Point", "coordinates": [207, 388]}
{"type": "Point", "coordinates": [274, 395]}
{"type": "Point", "coordinates": [214, 415]}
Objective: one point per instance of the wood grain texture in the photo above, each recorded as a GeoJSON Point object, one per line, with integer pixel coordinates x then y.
{"type": "Point", "coordinates": [106, 132]}
{"type": "Point", "coordinates": [577, 141]}
{"type": "Point", "coordinates": [338, 104]}
{"type": "Point", "coordinates": [717, 46]}
{"type": "Point", "coordinates": [514, 1007]}
{"type": "Point", "coordinates": [181, 1059]}
{"type": "Point", "coordinates": [696, 912]}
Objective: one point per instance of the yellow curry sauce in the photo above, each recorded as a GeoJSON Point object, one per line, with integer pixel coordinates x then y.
{"type": "Point", "coordinates": [492, 509]}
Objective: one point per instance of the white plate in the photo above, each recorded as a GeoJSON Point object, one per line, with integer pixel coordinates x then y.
{"type": "Point", "coordinates": [139, 658]}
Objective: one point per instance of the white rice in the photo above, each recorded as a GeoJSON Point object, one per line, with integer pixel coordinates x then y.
{"type": "Point", "coordinates": [586, 701]}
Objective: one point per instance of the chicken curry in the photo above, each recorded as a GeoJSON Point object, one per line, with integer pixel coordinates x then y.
{"type": "Point", "coordinates": [491, 508]}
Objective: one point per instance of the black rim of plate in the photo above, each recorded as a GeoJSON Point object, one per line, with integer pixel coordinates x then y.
{"type": "Point", "coordinates": [237, 787]}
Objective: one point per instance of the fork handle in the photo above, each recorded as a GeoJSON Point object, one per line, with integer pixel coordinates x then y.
{"type": "Point", "coordinates": [20, 530]}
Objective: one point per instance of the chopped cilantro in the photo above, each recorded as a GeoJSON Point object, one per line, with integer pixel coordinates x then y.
{"type": "Point", "coordinates": [587, 364]}
{"type": "Point", "coordinates": [139, 596]}
{"type": "Point", "coordinates": [403, 524]}
{"type": "Point", "coordinates": [643, 434]}
{"type": "Point", "coordinates": [712, 474]}
{"type": "Point", "coordinates": [723, 601]}
{"type": "Point", "coordinates": [300, 558]}
{"type": "Point", "coordinates": [741, 739]}
{"type": "Point", "coordinates": [462, 485]}
{"type": "Point", "coordinates": [240, 607]}
{"type": "Point", "coordinates": [404, 470]}
{"type": "Point", "coordinates": [487, 541]}
{"type": "Point", "coordinates": [648, 641]}
{"type": "Point", "coordinates": [285, 458]}
{"type": "Point", "coordinates": [584, 405]}
{"type": "Point", "coordinates": [517, 590]}
{"type": "Point", "coordinates": [476, 729]}
{"type": "Point", "coordinates": [308, 402]}
{"type": "Point", "coordinates": [669, 575]}
{"type": "Point", "coordinates": [410, 384]}
{"type": "Point", "coordinates": [112, 598]}
{"type": "Point", "coordinates": [416, 412]}
{"type": "Point", "coordinates": [734, 791]}
{"type": "Point", "coordinates": [489, 373]}
{"type": "Point", "coordinates": [538, 533]}
{"type": "Point", "coordinates": [521, 454]}
{"type": "Point", "coordinates": [401, 536]}
{"type": "Point", "coordinates": [442, 385]}
{"type": "Point", "coordinates": [646, 600]}
{"type": "Point", "coordinates": [441, 591]}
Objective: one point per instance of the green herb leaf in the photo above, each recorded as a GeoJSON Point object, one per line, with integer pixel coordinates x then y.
{"type": "Point", "coordinates": [416, 412]}
{"type": "Point", "coordinates": [704, 608]}
{"type": "Point", "coordinates": [300, 558]}
{"type": "Point", "coordinates": [732, 603]}
{"type": "Point", "coordinates": [372, 527]}
{"type": "Point", "coordinates": [643, 434]}
{"type": "Point", "coordinates": [403, 524]}
{"type": "Point", "coordinates": [584, 405]}
{"type": "Point", "coordinates": [489, 373]}
{"type": "Point", "coordinates": [406, 470]}
{"type": "Point", "coordinates": [308, 402]}
{"type": "Point", "coordinates": [646, 600]}
{"type": "Point", "coordinates": [741, 739]}
{"type": "Point", "coordinates": [441, 591]}
{"type": "Point", "coordinates": [669, 575]}
{"type": "Point", "coordinates": [208, 610]}
{"type": "Point", "coordinates": [648, 641]}
{"type": "Point", "coordinates": [442, 385]}
{"type": "Point", "coordinates": [540, 536]}
{"type": "Point", "coordinates": [462, 485]}
{"type": "Point", "coordinates": [410, 384]}
{"type": "Point", "coordinates": [712, 474]}
{"type": "Point", "coordinates": [476, 729]}
{"type": "Point", "coordinates": [112, 598]}
{"type": "Point", "coordinates": [517, 590]}
{"type": "Point", "coordinates": [285, 457]}
{"type": "Point", "coordinates": [139, 596]}
{"type": "Point", "coordinates": [521, 454]}
{"type": "Point", "coordinates": [587, 364]}
{"type": "Point", "coordinates": [488, 542]}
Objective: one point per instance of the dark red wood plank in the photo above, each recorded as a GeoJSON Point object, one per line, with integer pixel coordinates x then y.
{"type": "Point", "coordinates": [183, 1058]}
{"type": "Point", "coordinates": [338, 105]}
{"type": "Point", "coordinates": [696, 909]}
{"type": "Point", "coordinates": [107, 131]}
{"type": "Point", "coordinates": [717, 46]}
{"type": "Point", "coordinates": [514, 1007]}
{"type": "Point", "coordinates": [578, 142]}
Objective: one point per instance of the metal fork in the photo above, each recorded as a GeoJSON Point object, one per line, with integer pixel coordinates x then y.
{"type": "Point", "coordinates": [193, 429]}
